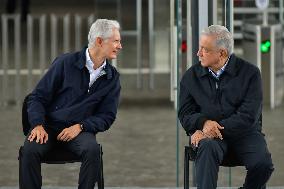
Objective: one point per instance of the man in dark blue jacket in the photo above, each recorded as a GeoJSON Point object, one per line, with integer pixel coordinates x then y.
{"type": "Point", "coordinates": [77, 98]}
{"type": "Point", "coordinates": [220, 107]}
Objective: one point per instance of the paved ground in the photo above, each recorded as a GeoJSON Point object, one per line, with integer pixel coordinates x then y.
{"type": "Point", "coordinates": [139, 150]}
{"type": "Point", "coordinates": [272, 187]}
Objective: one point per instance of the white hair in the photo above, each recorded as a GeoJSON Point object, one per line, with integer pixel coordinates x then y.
{"type": "Point", "coordinates": [224, 39]}
{"type": "Point", "coordinates": [101, 28]}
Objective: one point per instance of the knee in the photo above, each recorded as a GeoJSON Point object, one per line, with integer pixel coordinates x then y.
{"type": "Point", "coordinates": [91, 151]}
{"type": "Point", "coordinates": [263, 165]}
{"type": "Point", "coordinates": [209, 145]}
{"type": "Point", "coordinates": [209, 148]}
{"type": "Point", "coordinates": [32, 151]}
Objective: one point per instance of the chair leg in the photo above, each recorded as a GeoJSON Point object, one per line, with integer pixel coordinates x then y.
{"type": "Point", "coordinates": [193, 174]}
{"type": "Point", "coordinates": [230, 176]}
{"type": "Point", "coordinates": [101, 173]}
{"type": "Point", "coordinates": [186, 168]}
{"type": "Point", "coordinates": [20, 168]}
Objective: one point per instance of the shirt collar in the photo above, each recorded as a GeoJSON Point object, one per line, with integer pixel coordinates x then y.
{"type": "Point", "coordinates": [219, 72]}
{"type": "Point", "coordinates": [89, 63]}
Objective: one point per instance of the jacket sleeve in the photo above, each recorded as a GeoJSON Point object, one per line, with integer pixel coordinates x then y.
{"type": "Point", "coordinates": [106, 112]}
{"type": "Point", "coordinates": [43, 93]}
{"type": "Point", "coordinates": [248, 113]}
{"type": "Point", "coordinates": [189, 111]}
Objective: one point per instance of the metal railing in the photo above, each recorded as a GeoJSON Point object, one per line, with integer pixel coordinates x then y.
{"type": "Point", "coordinates": [28, 49]}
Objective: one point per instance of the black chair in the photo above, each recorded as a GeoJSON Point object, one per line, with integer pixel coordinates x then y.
{"type": "Point", "coordinates": [58, 155]}
{"type": "Point", "coordinates": [230, 160]}
{"type": "Point", "coordinates": [61, 156]}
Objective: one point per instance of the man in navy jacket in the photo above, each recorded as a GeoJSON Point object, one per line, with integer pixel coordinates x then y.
{"type": "Point", "coordinates": [221, 107]}
{"type": "Point", "coordinates": [77, 98]}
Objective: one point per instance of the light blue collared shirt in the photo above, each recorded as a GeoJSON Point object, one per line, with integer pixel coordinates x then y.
{"type": "Point", "coordinates": [219, 72]}
{"type": "Point", "coordinates": [94, 73]}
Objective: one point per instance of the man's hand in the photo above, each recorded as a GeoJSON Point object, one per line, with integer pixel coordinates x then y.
{"type": "Point", "coordinates": [196, 137]}
{"type": "Point", "coordinates": [211, 129]}
{"type": "Point", "coordinates": [39, 134]}
{"type": "Point", "coordinates": [69, 133]}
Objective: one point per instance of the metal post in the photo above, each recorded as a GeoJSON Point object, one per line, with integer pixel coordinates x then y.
{"type": "Point", "coordinates": [173, 51]}
{"type": "Point", "coordinates": [202, 14]}
{"type": "Point", "coordinates": [179, 38]}
{"type": "Point", "coordinates": [54, 38]}
{"type": "Point", "coordinates": [272, 67]}
{"type": "Point", "coordinates": [66, 33]}
{"type": "Point", "coordinates": [139, 41]}
{"type": "Point", "coordinates": [195, 30]}
{"type": "Point", "coordinates": [78, 33]}
{"type": "Point", "coordinates": [189, 35]}
{"type": "Point", "coordinates": [17, 55]}
{"type": "Point", "coordinates": [91, 19]}
{"type": "Point", "coordinates": [151, 43]}
{"type": "Point", "coordinates": [281, 11]}
{"type": "Point", "coordinates": [5, 47]}
{"type": "Point", "coordinates": [30, 49]}
{"type": "Point", "coordinates": [42, 43]}
{"type": "Point", "coordinates": [229, 15]}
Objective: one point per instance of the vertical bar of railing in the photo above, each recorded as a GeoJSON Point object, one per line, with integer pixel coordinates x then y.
{"type": "Point", "coordinates": [179, 59]}
{"type": "Point", "coordinates": [54, 46]}
{"type": "Point", "coordinates": [189, 35]}
{"type": "Point", "coordinates": [91, 19]}
{"type": "Point", "coordinates": [66, 33]}
{"type": "Point", "coordinates": [139, 42]}
{"type": "Point", "coordinates": [78, 32]}
{"type": "Point", "coordinates": [151, 43]}
{"type": "Point", "coordinates": [281, 11]}
{"type": "Point", "coordinates": [118, 10]}
{"type": "Point", "coordinates": [17, 54]}
{"type": "Point", "coordinates": [42, 43]}
{"type": "Point", "coordinates": [172, 51]}
{"type": "Point", "coordinates": [30, 50]}
{"type": "Point", "coordinates": [5, 47]}
{"type": "Point", "coordinates": [119, 19]}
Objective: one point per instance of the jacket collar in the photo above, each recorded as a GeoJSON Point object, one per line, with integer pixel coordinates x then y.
{"type": "Point", "coordinates": [81, 63]}
{"type": "Point", "coordinates": [231, 67]}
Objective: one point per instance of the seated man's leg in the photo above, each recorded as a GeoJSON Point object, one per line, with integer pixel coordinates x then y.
{"type": "Point", "coordinates": [209, 156]}
{"type": "Point", "coordinates": [252, 151]}
{"type": "Point", "coordinates": [31, 161]}
{"type": "Point", "coordinates": [86, 146]}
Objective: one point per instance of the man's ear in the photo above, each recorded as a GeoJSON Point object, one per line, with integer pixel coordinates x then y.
{"type": "Point", "coordinates": [224, 53]}
{"type": "Point", "coordinates": [99, 41]}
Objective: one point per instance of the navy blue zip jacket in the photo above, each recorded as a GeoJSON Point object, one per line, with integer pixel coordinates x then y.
{"type": "Point", "coordinates": [63, 98]}
{"type": "Point", "coordinates": [236, 104]}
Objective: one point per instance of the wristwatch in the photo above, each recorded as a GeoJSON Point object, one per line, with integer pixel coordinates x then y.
{"type": "Point", "coordinates": [82, 127]}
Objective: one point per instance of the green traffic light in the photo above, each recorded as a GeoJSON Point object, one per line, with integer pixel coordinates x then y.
{"type": "Point", "coordinates": [265, 46]}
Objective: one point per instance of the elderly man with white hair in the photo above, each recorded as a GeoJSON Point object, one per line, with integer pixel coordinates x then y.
{"type": "Point", "coordinates": [221, 108]}
{"type": "Point", "coordinates": [77, 98]}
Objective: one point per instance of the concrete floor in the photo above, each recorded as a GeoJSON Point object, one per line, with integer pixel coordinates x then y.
{"type": "Point", "coordinates": [139, 150]}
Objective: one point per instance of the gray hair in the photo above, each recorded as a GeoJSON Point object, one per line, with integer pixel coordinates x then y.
{"type": "Point", "coordinates": [101, 28]}
{"type": "Point", "coordinates": [224, 39]}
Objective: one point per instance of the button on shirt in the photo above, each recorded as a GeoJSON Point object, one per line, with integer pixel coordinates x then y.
{"type": "Point", "coordinates": [94, 73]}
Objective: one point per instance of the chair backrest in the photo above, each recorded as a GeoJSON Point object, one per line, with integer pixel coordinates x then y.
{"type": "Point", "coordinates": [25, 119]}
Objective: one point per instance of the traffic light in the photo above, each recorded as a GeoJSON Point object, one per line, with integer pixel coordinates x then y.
{"type": "Point", "coordinates": [265, 46]}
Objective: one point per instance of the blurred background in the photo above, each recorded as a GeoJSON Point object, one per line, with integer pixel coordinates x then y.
{"type": "Point", "coordinates": [144, 147]}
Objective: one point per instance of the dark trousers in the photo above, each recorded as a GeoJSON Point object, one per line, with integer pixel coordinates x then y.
{"type": "Point", "coordinates": [251, 151]}
{"type": "Point", "coordinates": [84, 145]}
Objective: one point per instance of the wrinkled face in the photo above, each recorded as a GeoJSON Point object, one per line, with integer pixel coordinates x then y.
{"type": "Point", "coordinates": [209, 55]}
{"type": "Point", "coordinates": [111, 46]}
